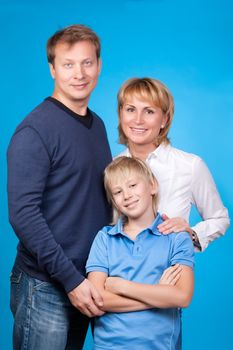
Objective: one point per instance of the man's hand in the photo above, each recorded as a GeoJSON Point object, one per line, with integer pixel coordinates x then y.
{"type": "Point", "coordinates": [87, 299]}
{"type": "Point", "coordinates": [171, 275]}
{"type": "Point", "coordinates": [173, 225]}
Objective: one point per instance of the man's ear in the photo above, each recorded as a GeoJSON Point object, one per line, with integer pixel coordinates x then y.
{"type": "Point", "coordinates": [52, 70]}
{"type": "Point", "coordinates": [99, 65]}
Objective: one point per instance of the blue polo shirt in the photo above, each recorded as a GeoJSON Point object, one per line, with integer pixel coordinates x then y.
{"type": "Point", "coordinates": [142, 260]}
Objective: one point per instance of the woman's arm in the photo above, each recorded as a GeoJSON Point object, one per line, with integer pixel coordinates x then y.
{"type": "Point", "coordinates": [114, 302]}
{"type": "Point", "coordinates": [161, 296]}
{"type": "Point", "coordinates": [209, 205]}
{"type": "Point", "coordinates": [207, 200]}
{"type": "Point", "coordinates": [177, 224]}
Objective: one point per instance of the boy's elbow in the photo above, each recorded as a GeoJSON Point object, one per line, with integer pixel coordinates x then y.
{"type": "Point", "coordinates": [185, 300]}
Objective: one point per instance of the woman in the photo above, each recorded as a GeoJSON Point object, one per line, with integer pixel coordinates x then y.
{"type": "Point", "coordinates": [145, 109]}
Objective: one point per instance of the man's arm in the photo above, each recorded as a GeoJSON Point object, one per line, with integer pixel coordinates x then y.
{"type": "Point", "coordinates": [113, 302]}
{"type": "Point", "coordinates": [28, 169]}
{"type": "Point", "coordinates": [161, 296]}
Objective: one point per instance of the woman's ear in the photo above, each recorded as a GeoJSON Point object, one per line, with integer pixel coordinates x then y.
{"type": "Point", "coordinates": [164, 121]}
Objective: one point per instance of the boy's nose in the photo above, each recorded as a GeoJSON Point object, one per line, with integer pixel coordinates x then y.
{"type": "Point", "coordinates": [127, 194]}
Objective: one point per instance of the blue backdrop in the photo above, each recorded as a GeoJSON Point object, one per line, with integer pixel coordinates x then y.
{"type": "Point", "coordinates": [186, 44]}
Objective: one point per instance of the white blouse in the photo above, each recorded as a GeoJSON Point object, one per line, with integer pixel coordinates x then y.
{"type": "Point", "coordinates": [184, 180]}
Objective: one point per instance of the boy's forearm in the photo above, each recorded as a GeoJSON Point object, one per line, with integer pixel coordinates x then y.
{"type": "Point", "coordinates": [161, 296]}
{"type": "Point", "coordinates": [118, 303]}
{"type": "Point", "coordinates": [112, 301]}
{"type": "Point", "coordinates": [156, 295]}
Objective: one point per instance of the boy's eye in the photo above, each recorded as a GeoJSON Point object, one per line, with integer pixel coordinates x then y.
{"type": "Point", "coordinates": [132, 185]}
{"type": "Point", "coordinates": [116, 193]}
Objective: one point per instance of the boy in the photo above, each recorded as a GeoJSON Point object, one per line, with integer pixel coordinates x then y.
{"type": "Point", "coordinates": [126, 263]}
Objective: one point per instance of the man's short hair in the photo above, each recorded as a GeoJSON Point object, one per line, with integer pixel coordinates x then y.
{"type": "Point", "coordinates": [71, 35]}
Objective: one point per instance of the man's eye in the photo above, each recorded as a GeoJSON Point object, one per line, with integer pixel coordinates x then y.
{"type": "Point", "coordinates": [88, 63]}
{"type": "Point", "coordinates": [68, 65]}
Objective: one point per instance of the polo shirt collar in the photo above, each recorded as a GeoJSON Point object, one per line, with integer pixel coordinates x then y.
{"type": "Point", "coordinates": [118, 228]}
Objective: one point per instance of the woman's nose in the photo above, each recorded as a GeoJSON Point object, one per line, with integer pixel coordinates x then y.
{"type": "Point", "coordinates": [138, 118]}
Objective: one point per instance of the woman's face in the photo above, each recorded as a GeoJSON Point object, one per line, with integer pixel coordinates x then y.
{"type": "Point", "coordinates": [141, 122]}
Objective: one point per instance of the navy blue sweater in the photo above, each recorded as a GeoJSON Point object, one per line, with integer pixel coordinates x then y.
{"type": "Point", "coordinates": [55, 189]}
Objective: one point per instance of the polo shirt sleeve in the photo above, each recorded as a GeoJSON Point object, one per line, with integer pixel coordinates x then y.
{"type": "Point", "coordinates": [98, 256]}
{"type": "Point", "coordinates": [183, 250]}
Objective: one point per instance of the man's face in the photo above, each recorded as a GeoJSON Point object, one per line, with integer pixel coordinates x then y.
{"type": "Point", "coordinates": [75, 71]}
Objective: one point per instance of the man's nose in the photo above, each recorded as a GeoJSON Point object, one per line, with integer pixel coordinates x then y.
{"type": "Point", "coordinates": [79, 72]}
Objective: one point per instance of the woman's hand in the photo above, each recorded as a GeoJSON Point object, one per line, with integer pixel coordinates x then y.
{"type": "Point", "coordinates": [171, 275]}
{"type": "Point", "coordinates": [174, 225]}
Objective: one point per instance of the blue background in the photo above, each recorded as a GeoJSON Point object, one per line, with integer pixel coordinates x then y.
{"type": "Point", "coordinates": [186, 44]}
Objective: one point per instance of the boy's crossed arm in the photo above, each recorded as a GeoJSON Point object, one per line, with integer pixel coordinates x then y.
{"type": "Point", "coordinates": [114, 302]}
{"type": "Point", "coordinates": [121, 295]}
{"type": "Point", "coordinates": [157, 295]}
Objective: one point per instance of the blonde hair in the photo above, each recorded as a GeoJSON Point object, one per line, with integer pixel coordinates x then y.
{"type": "Point", "coordinates": [121, 167]}
{"type": "Point", "coordinates": [150, 90]}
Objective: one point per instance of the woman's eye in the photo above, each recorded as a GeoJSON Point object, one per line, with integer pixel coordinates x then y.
{"type": "Point", "coordinates": [150, 111]}
{"type": "Point", "coordinates": [129, 109]}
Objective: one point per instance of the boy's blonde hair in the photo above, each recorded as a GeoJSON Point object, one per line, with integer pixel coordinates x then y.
{"type": "Point", "coordinates": [151, 90]}
{"type": "Point", "coordinates": [121, 167]}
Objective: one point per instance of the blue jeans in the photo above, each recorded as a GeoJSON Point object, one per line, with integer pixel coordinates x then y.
{"type": "Point", "coordinates": [44, 318]}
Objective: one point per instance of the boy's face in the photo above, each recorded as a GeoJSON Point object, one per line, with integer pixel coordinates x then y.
{"type": "Point", "coordinates": [132, 195]}
{"type": "Point", "coordinates": [75, 71]}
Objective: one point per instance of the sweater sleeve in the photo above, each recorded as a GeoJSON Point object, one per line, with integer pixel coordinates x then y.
{"type": "Point", "coordinates": [28, 169]}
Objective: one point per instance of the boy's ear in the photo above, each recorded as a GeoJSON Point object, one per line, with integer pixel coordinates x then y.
{"type": "Point", "coordinates": [154, 187]}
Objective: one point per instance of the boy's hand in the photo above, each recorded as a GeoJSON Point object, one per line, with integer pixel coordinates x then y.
{"type": "Point", "coordinates": [171, 275]}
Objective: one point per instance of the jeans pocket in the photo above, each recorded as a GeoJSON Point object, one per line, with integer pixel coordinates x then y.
{"type": "Point", "coordinates": [15, 280]}
{"type": "Point", "coordinates": [15, 275]}
{"type": "Point", "coordinates": [42, 286]}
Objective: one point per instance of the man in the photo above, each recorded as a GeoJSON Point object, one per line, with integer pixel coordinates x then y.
{"type": "Point", "coordinates": [56, 200]}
